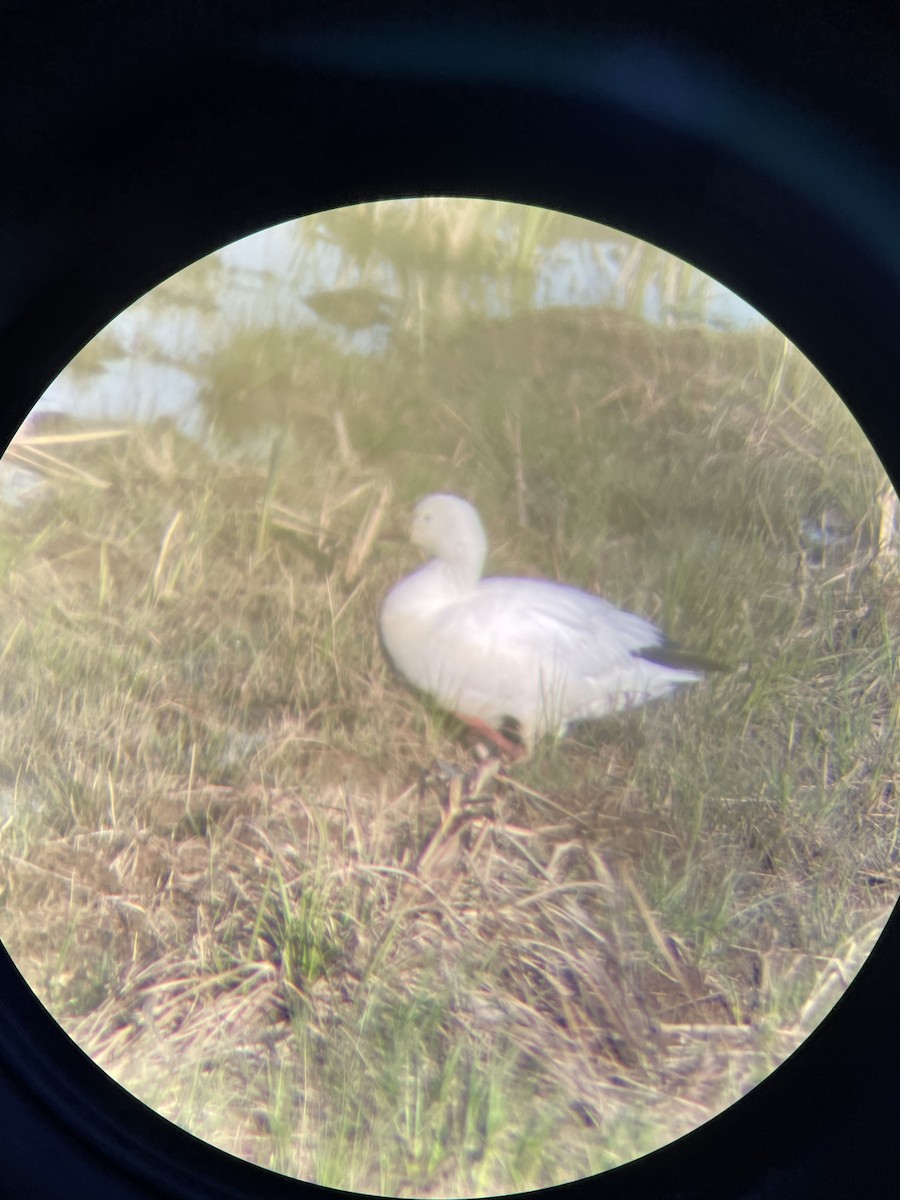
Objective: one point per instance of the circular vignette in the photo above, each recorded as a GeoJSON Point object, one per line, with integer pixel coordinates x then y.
{"type": "Point", "coordinates": [166, 136]}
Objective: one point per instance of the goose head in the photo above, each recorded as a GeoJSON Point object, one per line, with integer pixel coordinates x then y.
{"type": "Point", "coordinates": [450, 529]}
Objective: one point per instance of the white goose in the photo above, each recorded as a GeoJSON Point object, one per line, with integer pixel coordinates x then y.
{"type": "Point", "coordinates": [540, 652]}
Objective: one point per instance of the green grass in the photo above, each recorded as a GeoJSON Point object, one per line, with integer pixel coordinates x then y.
{"type": "Point", "coordinates": [288, 905]}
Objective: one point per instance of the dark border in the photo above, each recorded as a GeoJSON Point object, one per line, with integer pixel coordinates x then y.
{"type": "Point", "coordinates": [759, 144]}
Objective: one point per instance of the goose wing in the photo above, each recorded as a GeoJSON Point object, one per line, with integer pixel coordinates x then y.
{"type": "Point", "coordinates": [553, 620]}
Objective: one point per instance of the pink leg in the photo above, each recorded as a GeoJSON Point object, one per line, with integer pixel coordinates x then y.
{"type": "Point", "coordinates": [508, 749]}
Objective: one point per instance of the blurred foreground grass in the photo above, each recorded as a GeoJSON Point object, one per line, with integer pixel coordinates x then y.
{"type": "Point", "coordinates": [288, 907]}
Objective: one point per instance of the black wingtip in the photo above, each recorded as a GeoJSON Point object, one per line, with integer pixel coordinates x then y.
{"type": "Point", "coordinates": [669, 654]}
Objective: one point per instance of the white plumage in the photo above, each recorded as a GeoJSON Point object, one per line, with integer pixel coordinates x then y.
{"type": "Point", "coordinates": [540, 652]}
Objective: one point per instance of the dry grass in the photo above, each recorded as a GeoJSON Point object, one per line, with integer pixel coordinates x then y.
{"type": "Point", "coordinates": [284, 903]}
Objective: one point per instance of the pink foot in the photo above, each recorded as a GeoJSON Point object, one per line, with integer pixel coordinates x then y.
{"type": "Point", "coordinates": [508, 748]}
